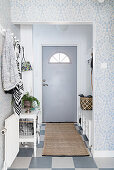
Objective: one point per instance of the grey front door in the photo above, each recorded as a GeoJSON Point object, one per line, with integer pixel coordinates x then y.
{"type": "Point", "coordinates": [59, 84]}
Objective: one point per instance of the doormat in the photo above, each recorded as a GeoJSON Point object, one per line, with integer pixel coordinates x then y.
{"type": "Point", "coordinates": [62, 139]}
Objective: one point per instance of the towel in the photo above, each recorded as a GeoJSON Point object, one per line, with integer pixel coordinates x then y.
{"type": "Point", "coordinates": [18, 91]}
{"type": "Point", "coordinates": [10, 75]}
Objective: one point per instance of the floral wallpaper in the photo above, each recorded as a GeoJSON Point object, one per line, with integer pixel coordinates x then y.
{"type": "Point", "coordinates": [101, 14]}
{"type": "Point", "coordinates": [5, 99]}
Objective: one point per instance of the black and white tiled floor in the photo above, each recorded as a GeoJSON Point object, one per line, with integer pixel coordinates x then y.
{"type": "Point", "coordinates": [25, 160]}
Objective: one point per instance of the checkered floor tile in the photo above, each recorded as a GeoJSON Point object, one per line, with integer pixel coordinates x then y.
{"type": "Point", "coordinates": [25, 159]}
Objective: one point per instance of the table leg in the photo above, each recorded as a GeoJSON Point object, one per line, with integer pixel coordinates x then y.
{"type": "Point", "coordinates": [34, 137]}
{"type": "Point", "coordinates": [89, 132]}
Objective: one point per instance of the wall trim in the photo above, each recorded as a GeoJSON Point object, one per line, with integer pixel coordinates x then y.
{"type": "Point", "coordinates": [103, 153]}
{"type": "Point", "coordinates": [53, 22]}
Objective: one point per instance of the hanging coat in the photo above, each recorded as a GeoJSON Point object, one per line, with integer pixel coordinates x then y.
{"type": "Point", "coordinates": [10, 75]}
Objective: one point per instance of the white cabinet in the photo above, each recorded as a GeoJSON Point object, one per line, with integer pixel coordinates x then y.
{"type": "Point", "coordinates": [86, 123]}
{"type": "Point", "coordinates": [30, 117]}
{"type": "Point", "coordinates": [11, 139]}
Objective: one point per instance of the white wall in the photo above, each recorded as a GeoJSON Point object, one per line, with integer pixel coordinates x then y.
{"type": "Point", "coordinates": [34, 37]}
{"type": "Point", "coordinates": [101, 15]}
{"type": "Point", "coordinates": [26, 41]}
{"type": "Point", "coordinates": [80, 35]}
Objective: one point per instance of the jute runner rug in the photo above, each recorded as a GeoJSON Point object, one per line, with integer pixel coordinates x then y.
{"type": "Point", "coordinates": [62, 139]}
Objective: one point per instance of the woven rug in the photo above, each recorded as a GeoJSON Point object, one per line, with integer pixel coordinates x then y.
{"type": "Point", "coordinates": [62, 139]}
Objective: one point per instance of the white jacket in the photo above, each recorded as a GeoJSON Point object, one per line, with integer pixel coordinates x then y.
{"type": "Point", "coordinates": [10, 75]}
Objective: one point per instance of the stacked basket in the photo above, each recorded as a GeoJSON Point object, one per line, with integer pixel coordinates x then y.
{"type": "Point", "coordinates": [86, 103]}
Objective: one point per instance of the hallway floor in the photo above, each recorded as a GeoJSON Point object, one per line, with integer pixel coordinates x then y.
{"type": "Point", "coordinates": [25, 160]}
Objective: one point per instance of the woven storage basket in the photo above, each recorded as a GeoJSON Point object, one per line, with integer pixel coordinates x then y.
{"type": "Point", "coordinates": [86, 103]}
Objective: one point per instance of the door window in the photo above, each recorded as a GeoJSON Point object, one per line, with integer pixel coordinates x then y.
{"type": "Point", "coordinates": [59, 58]}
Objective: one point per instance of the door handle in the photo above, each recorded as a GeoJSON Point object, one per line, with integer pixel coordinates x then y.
{"type": "Point", "coordinates": [45, 84]}
{"type": "Point", "coordinates": [3, 132]}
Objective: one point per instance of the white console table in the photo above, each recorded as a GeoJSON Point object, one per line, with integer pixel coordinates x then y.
{"type": "Point", "coordinates": [86, 123]}
{"type": "Point", "coordinates": [30, 138]}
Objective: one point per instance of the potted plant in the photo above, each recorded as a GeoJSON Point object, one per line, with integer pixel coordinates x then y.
{"type": "Point", "coordinates": [28, 101]}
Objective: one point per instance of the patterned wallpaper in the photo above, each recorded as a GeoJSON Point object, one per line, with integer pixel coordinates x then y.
{"type": "Point", "coordinates": [101, 14]}
{"type": "Point", "coordinates": [5, 99]}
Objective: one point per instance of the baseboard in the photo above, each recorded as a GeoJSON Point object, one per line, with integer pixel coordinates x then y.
{"type": "Point", "coordinates": [102, 153]}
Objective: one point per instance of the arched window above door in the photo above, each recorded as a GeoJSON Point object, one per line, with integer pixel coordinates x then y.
{"type": "Point", "coordinates": [59, 58]}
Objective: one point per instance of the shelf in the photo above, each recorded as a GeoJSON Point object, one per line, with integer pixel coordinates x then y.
{"type": "Point", "coordinates": [26, 121]}
{"type": "Point", "coordinates": [34, 116]}
{"type": "Point", "coordinates": [28, 138]}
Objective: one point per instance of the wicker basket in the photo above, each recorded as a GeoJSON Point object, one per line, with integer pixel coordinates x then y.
{"type": "Point", "coordinates": [86, 103]}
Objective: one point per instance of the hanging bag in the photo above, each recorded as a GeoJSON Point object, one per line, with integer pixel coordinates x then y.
{"type": "Point", "coordinates": [25, 65]}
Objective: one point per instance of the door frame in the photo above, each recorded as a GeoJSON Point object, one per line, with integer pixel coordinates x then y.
{"type": "Point", "coordinates": [60, 45]}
